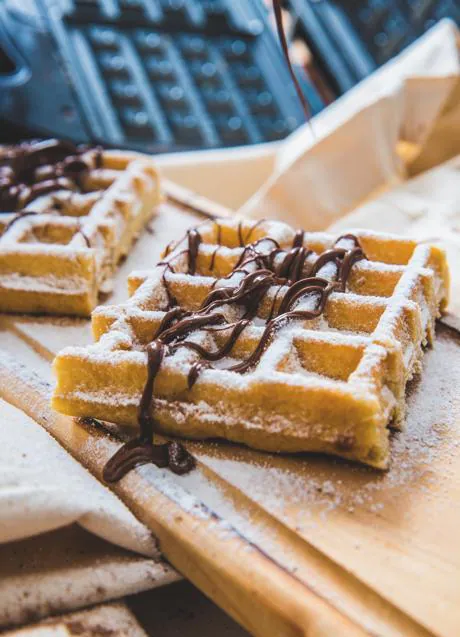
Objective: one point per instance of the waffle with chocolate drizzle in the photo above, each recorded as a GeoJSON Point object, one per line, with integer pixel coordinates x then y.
{"type": "Point", "coordinates": [67, 215]}
{"type": "Point", "coordinates": [281, 340]}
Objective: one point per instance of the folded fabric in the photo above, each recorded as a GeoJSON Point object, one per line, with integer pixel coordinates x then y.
{"type": "Point", "coordinates": [43, 488]}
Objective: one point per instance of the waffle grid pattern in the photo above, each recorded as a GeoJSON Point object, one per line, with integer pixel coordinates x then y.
{"type": "Point", "coordinates": [61, 250]}
{"type": "Point", "coordinates": [331, 384]}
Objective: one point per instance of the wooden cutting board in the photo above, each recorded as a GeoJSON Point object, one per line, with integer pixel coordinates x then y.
{"type": "Point", "coordinates": [288, 545]}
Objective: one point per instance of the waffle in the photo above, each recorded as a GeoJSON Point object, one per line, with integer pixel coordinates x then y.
{"type": "Point", "coordinates": [67, 216]}
{"type": "Point", "coordinates": [279, 359]}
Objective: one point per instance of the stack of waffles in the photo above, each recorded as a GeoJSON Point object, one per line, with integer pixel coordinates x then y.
{"type": "Point", "coordinates": [67, 216]}
{"type": "Point", "coordinates": [284, 341]}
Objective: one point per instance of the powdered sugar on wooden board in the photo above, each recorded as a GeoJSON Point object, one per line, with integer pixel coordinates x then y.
{"type": "Point", "coordinates": [375, 525]}
{"type": "Point", "coordinates": [50, 334]}
{"type": "Point", "coordinates": [432, 433]}
{"type": "Point", "coordinates": [367, 521]}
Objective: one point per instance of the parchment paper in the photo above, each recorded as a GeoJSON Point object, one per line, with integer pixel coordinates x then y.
{"type": "Point", "coordinates": [394, 124]}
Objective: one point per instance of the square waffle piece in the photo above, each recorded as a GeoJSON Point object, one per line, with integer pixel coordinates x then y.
{"type": "Point", "coordinates": [68, 214]}
{"type": "Point", "coordinates": [281, 340]}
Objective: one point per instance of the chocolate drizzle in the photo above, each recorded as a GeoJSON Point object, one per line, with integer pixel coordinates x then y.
{"type": "Point", "coordinates": [194, 240]}
{"type": "Point", "coordinates": [293, 273]}
{"type": "Point", "coordinates": [284, 45]}
{"type": "Point", "coordinates": [32, 169]}
{"type": "Point", "coordinates": [20, 215]}
{"type": "Point", "coordinates": [137, 453]}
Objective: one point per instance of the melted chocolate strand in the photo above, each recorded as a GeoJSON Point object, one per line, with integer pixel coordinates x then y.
{"type": "Point", "coordinates": [177, 324]}
{"type": "Point", "coordinates": [256, 225]}
{"type": "Point", "coordinates": [155, 354]}
{"type": "Point", "coordinates": [240, 234]}
{"type": "Point", "coordinates": [142, 450]}
{"type": "Point", "coordinates": [134, 454]}
{"type": "Point", "coordinates": [20, 215]}
{"type": "Point", "coordinates": [284, 45]}
{"type": "Point", "coordinates": [218, 232]}
{"type": "Point", "coordinates": [194, 240]}
{"type": "Point", "coordinates": [213, 356]}
{"type": "Point", "coordinates": [273, 306]}
{"type": "Point", "coordinates": [298, 239]}
{"type": "Point", "coordinates": [213, 259]}
{"type": "Point", "coordinates": [350, 259]}
{"type": "Point", "coordinates": [137, 453]}
{"type": "Point", "coordinates": [293, 264]}
{"type": "Point", "coordinates": [170, 297]}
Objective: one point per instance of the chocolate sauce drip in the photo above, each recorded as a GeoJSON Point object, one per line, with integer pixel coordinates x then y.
{"type": "Point", "coordinates": [294, 271]}
{"type": "Point", "coordinates": [194, 241]}
{"type": "Point", "coordinates": [155, 354]}
{"type": "Point", "coordinates": [240, 234]}
{"type": "Point", "coordinates": [284, 45]}
{"type": "Point", "coordinates": [20, 215]}
{"type": "Point", "coordinates": [251, 231]}
{"type": "Point", "coordinates": [213, 258]}
{"type": "Point", "coordinates": [293, 264]}
{"type": "Point", "coordinates": [137, 453]}
{"type": "Point", "coordinates": [170, 296]}
{"type": "Point", "coordinates": [244, 240]}
{"type": "Point", "coordinates": [298, 239]}
{"type": "Point", "coordinates": [250, 254]}
{"type": "Point", "coordinates": [142, 450]}
{"type": "Point", "coordinates": [33, 169]}
{"type": "Point", "coordinates": [85, 237]}
{"type": "Point", "coordinates": [218, 232]}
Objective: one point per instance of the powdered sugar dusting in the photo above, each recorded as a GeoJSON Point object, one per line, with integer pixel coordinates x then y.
{"type": "Point", "coordinates": [296, 488]}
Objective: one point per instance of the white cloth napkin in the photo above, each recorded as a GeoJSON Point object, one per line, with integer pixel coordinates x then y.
{"type": "Point", "coordinates": [43, 488]}
{"type": "Point", "coordinates": [384, 129]}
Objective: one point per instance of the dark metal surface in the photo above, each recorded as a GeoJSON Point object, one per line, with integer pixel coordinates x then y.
{"type": "Point", "coordinates": [351, 38]}
{"type": "Point", "coordinates": [153, 75]}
